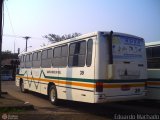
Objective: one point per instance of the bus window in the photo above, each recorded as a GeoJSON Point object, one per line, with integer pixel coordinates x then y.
{"type": "Point", "coordinates": [44, 54]}
{"type": "Point", "coordinates": [39, 56]}
{"type": "Point", "coordinates": [36, 59]}
{"type": "Point", "coordinates": [89, 52]}
{"type": "Point", "coordinates": [27, 58]}
{"type": "Point", "coordinates": [28, 61]}
{"type": "Point", "coordinates": [34, 56]}
{"type": "Point", "coordinates": [46, 58]}
{"type": "Point", "coordinates": [149, 52]}
{"type": "Point", "coordinates": [30, 57]}
{"type": "Point", "coordinates": [57, 52]}
{"type": "Point", "coordinates": [153, 57]}
{"type": "Point", "coordinates": [57, 55]}
{"type": "Point", "coordinates": [49, 53]}
{"type": "Point", "coordinates": [77, 52]}
{"type": "Point", "coordinates": [22, 62]}
{"type": "Point", "coordinates": [155, 52]}
{"type": "Point", "coordinates": [64, 55]}
{"type": "Point", "coordinates": [60, 56]}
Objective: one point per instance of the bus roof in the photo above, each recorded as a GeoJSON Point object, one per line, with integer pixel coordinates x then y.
{"type": "Point", "coordinates": [152, 44]}
{"type": "Point", "coordinates": [77, 38]}
{"type": "Point", "coordinates": [64, 41]}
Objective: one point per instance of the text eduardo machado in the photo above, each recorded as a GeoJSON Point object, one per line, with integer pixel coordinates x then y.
{"type": "Point", "coordinates": [136, 116]}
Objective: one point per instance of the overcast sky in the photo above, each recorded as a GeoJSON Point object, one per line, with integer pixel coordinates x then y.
{"type": "Point", "coordinates": [36, 18]}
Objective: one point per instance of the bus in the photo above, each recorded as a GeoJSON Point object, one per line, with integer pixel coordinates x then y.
{"type": "Point", "coordinates": [153, 61]}
{"type": "Point", "coordinates": [94, 68]}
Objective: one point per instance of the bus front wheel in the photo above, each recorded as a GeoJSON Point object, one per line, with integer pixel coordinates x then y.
{"type": "Point", "coordinates": [53, 95]}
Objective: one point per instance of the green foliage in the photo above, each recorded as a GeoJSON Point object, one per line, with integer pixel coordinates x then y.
{"type": "Point", "coordinates": [57, 38]}
{"type": "Point", "coordinates": [10, 110]}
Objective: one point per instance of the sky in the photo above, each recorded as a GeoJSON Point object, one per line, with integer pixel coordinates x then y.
{"type": "Point", "coordinates": [36, 18]}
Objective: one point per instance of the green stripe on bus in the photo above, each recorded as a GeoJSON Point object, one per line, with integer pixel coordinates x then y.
{"type": "Point", "coordinates": [88, 80]}
{"type": "Point", "coordinates": [22, 74]}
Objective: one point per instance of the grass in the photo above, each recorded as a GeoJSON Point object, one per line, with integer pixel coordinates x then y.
{"type": "Point", "coordinates": [11, 110]}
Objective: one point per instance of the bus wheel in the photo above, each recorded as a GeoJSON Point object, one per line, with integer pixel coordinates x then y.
{"type": "Point", "coordinates": [22, 89]}
{"type": "Point", "coordinates": [53, 95]}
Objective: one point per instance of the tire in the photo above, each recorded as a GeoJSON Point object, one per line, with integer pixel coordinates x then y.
{"type": "Point", "coordinates": [22, 89]}
{"type": "Point", "coordinates": [53, 95]}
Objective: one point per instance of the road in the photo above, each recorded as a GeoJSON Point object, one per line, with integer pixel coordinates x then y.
{"type": "Point", "coordinates": [77, 110]}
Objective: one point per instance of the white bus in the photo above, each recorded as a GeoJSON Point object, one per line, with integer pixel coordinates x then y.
{"type": "Point", "coordinates": [94, 68]}
{"type": "Point", "coordinates": [153, 61]}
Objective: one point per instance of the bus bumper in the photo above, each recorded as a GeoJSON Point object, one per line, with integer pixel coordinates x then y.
{"type": "Point", "coordinates": [103, 98]}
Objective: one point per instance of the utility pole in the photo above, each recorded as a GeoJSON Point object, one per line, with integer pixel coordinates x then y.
{"type": "Point", "coordinates": [1, 31]}
{"type": "Point", "coordinates": [18, 51]}
{"type": "Point", "coordinates": [27, 37]}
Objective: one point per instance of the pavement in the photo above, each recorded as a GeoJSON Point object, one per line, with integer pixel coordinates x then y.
{"type": "Point", "coordinates": [9, 102]}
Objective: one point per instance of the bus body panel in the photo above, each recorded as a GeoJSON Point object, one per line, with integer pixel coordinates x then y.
{"type": "Point", "coordinates": [76, 94]}
{"type": "Point", "coordinates": [77, 83]}
{"type": "Point", "coordinates": [114, 80]}
{"type": "Point", "coordinates": [32, 83]}
{"type": "Point", "coordinates": [153, 92]}
{"type": "Point", "coordinates": [48, 75]}
{"type": "Point", "coordinates": [153, 82]}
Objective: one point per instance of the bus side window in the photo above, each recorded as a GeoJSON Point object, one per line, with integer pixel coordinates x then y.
{"type": "Point", "coordinates": [77, 52]}
{"type": "Point", "coordinates": [155, 51]}
{"type": "Point", "coordinates": [56, 56]}
{"type": "Point", "coordinates": [22, 61]}
{"type": "Point", "coordinates": [36, 59]}
{"type": "Point", "coordinates": [60, 55]}
{"type": "Point", "coordinates": [89, 52]}
{"type": "Point", "coordinates": [49, 53]}
{"type": "Point", "coordinates": [28, 60]}
{"type": "Point", "coordinates": [149, 52]}
{"type": "Point", "coordinates": [153, 57]}
{"type": "Point", "coordinates": [46, 58]}
{"type": "Point", "coordinates": [35, 56]}
{"type": "Point", "coordinates": [64, 55]}
{"type": "Point", "coordinates": [39, 56]}
{"type": "Point", "coordinates": [30, 57]}
{"type": "Point", "coordinates": [24, 58]}
{"type": "Point", "coordinates": [44, 54]}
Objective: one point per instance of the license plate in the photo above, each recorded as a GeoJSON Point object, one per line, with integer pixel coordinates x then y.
{"type": "Point", "coordinates": [125, 87]}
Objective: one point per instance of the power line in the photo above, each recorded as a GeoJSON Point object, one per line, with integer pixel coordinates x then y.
{"type": "Point", "coordinates": [18, 36]}
{"type": "Point", "coordinates": [15, 36]}
{"type": "Point", "coordinates": [9, 18]}
{"type": "Point", "coordinates": [10, 23]}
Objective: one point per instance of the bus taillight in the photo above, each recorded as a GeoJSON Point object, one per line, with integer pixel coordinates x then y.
{"type": "Point", "coordinates": [99, 87]}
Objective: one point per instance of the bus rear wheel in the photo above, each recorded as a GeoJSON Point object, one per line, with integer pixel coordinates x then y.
{"type": "Point", "coordinates": [53, 95]}
{"type": "Point", "coordinates": [22, 89]}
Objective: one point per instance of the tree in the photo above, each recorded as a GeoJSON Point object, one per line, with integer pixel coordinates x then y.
{"type": "Point", "coordinates": [57, 38]}
{"type": "Point", "coordinates": [43, 45]}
